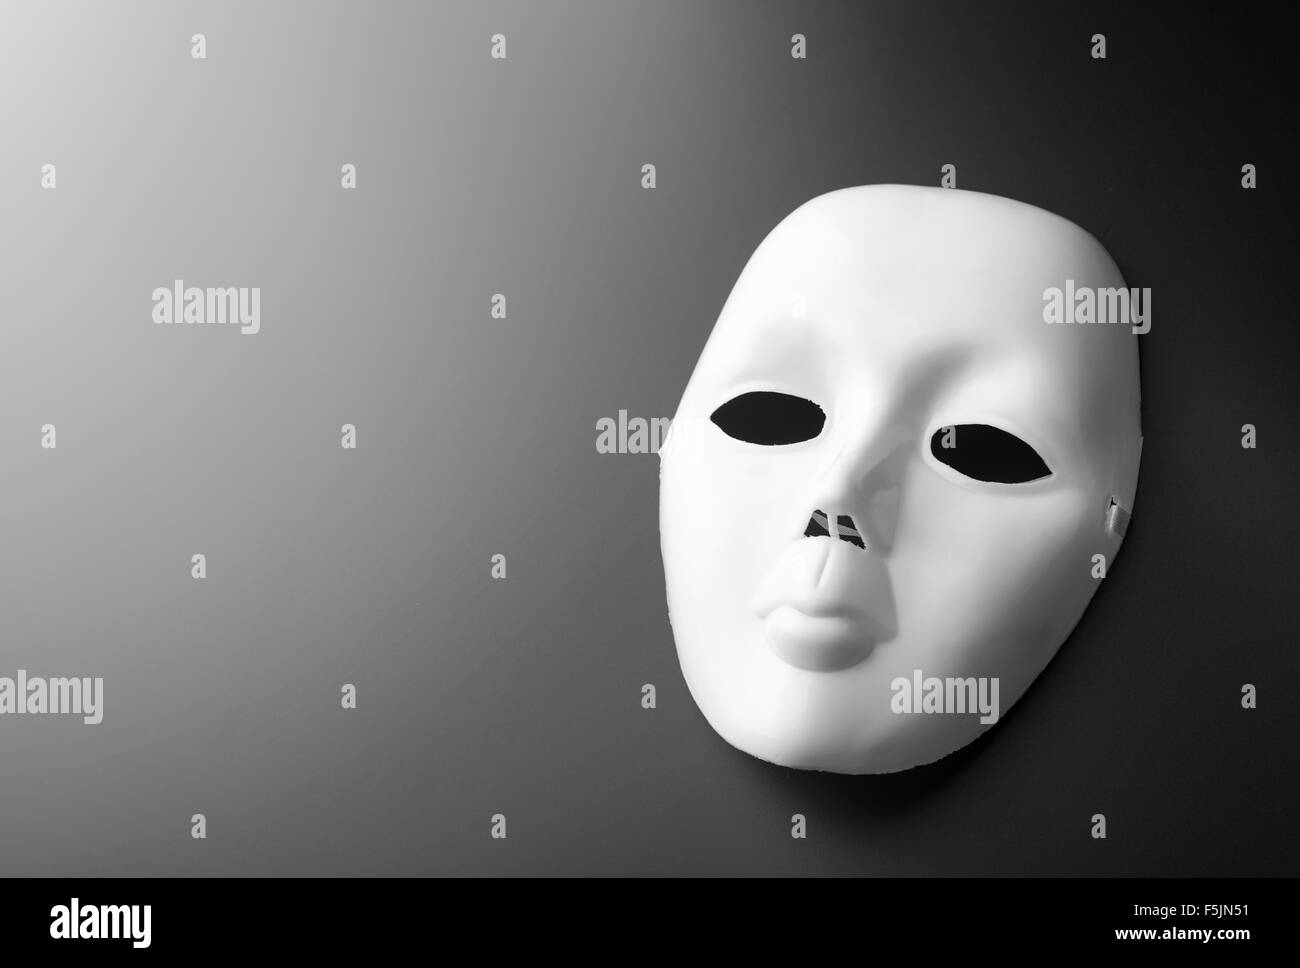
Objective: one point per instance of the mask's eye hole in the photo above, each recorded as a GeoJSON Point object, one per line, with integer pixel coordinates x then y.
{"type": "Point", "coordinates": [987, 454]}
{"type": "Point", "coordinates": [769, 418]}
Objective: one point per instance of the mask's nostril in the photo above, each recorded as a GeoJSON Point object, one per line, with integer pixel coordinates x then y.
{"type": "Point", "coordinates": [818, 526]}
{"type": "Point", "coordinates": [821, 524]}
{"type": "Point", "coordinates": [848, 531]}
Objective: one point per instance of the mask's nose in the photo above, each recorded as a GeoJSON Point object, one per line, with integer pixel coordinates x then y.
{"type": "Point", "coordinates": [839, 526]}
{"type": "Point", "coordinates": [857, 494]}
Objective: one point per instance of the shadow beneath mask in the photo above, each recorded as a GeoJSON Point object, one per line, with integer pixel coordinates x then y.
{"type": "Point", "coordinates": [870, 798]}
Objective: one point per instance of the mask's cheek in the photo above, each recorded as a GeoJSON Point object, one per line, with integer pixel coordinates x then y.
{"type": "Point", "coordinates": [726, 513]}
{"type": "Point", "coordinates": [990, 579]}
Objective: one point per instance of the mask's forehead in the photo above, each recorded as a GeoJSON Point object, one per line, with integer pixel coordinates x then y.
{"type": "Point", "coordinates": [892, 283]}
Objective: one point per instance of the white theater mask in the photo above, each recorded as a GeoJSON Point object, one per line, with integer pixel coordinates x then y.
{"type": "Point", "coordinates": [889, 478]}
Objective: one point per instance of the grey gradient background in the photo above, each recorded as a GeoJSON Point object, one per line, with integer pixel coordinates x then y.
{"type": "Point", "coordinates": [476, 436]}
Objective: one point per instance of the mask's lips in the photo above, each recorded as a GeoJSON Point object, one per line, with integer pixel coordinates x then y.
{"type": "Point", "coordinates": [825, 603]}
